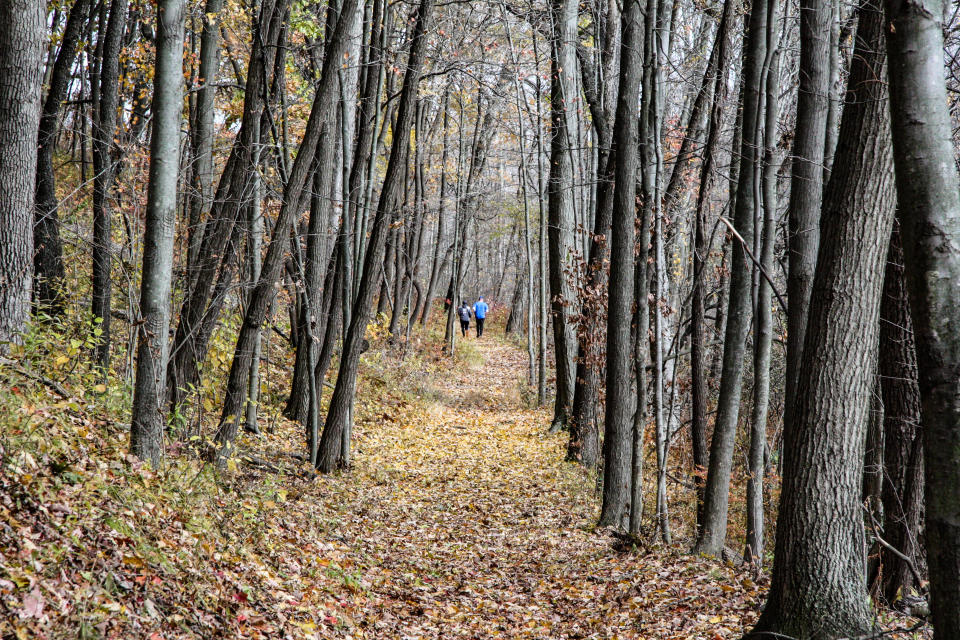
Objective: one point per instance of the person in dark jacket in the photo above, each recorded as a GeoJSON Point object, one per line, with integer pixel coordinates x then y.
{"type": "Point", "coordinates": [464, 313]}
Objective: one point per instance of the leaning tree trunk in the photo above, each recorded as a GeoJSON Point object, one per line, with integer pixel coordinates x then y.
{"type": "Point", "coordinates": [618, 419]}
{"type": "Point", "coordinates": [902, 488]}
{"type": "Point", "coordinates": [818, 588]}
{"type": "Point", "coordinates": [147, 421]}
{"type": "Point", "coordinates": [331, 453]}
{"type": "Point", "coordinates": [929, 201]}
{"type": "Point", "coordinates": [22, 31]}
{"type": "Point", "coordinates": [806, 186]}
{"type": "Point", "coordinates": [48, 259]}
{"type": "Point", "coordinates": [319, 130]}
{"type": "Point", "coordinates": [717, 72]}
{"type": "Point", "coordinates": [716, 495]}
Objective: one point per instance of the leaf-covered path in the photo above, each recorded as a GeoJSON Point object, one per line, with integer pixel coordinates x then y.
{"type": "Point", "coordinates": [463, 521]}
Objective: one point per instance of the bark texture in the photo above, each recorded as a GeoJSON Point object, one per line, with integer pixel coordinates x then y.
{"type": "Point", "coordinates": [146, 429]}
{"type": "Point", "coordinates": [22, 31]}
{"type": "Point", "coordinates": [929, 201]}
{"type": "Point", "coordinates": [818, 588]}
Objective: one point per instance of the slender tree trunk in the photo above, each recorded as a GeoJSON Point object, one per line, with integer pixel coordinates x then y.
{"type": "Point", "coordinates": [330, 455]}
{"type": "Point", "coordinates": [714, 531]}
{"type": "Point", "coordinates": [818, 589]}
{"type": "Point", "coordinates": [929, 201]}
{"type": "Point", "coordinates": [22, 35]}
{"type": "Point", "coordinates": [617, 451]}
{"type": "Point", "coordinates": [561, 198]}
{"type": "Point", "coordinates": [701, 253]}
{"type": "Point", "coordinates": [147, 423]}
{"type": "Point", "coordinates": [48, 259]}
{"type": "Point", "coordinates": [319, 131]}
{"type": "Point", "coordinates": [201, 135]}
{"type": "Point", "coordinates": [902, 489]}
{"type": "Point", "coordinates": [806, 186]}
{"type": "Point", "coordinates": [104, 130]}
{"type": "Point", "coordinates": [763, 319]}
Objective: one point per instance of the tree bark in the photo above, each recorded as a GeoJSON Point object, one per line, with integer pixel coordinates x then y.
{"type": "Point", "coordinates": [560, 207]}
{"type": "Point", "coordinates": [714, 530]}
{"type": "Point", "coordinates": [319, 129]}
{"type": "Point", "coordinates": [818, 587]}
{"type": "Point", "coordinates": [147, 422]}
{"type": "Point", "coordinates": [619, 402]}
{"type": "Point", "coordinates": [48, 247]}
{"type": "Point", "coordinates": [902, 489]}
{"type": "Point", "coordinates": [806, 185]}
{"type": "Point", "coordinates": [929, 201]}
{"type": "Point", "coordinates": [22, 35]}
{"type": "Point", "coordinates": [331, 453]}
{"type": "Point", "coordinates": [104, 128]}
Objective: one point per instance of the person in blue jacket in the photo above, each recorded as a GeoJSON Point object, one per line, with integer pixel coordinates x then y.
{"type": "Point", "coordinates": [480, 313]}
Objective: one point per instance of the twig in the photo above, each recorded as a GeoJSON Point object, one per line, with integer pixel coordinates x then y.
{"type": "Point", "coordinates": [759, 266]}
{"type": "Point", "coordinates": [52, 384]}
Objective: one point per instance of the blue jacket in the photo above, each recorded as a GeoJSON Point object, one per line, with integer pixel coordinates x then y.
{"type": "Point", "coordinates": [480, 309]}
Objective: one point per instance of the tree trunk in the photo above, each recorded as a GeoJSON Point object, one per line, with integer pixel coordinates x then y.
{"type": "Point", "coordinates": [201, 134]}
{"type": "Point", "coordinates": [763, 320]}
{"type": "Point", "coordinates": [618, 426]}
{"type": "Point", "coordinates": [929, 201]}
{"type": "Point", "coordinates": [331, 453]}
{"type": "Point", "coordinates": [147, 422]}
{"type": "Point", "coordinates": [902, 489]}
{"type": "Point", "coordinates": [806, 186]}
{"type": "Point", "coordinates": [22, 36]}
{"type": "Point", "coordinates": [319, 130]}
{"type": "Point", "coordinates": [714, 530]}
{"type": "Point", "coordinates": [701, 254]}
{"type": "Point", "coordinates": [104, 129]}
{"type": "Point", "coordinates": [563, 99]}
{"type": "Point", "coordinates": [48, 259]}
{"type": "Point", "coordinates": [818, 588]}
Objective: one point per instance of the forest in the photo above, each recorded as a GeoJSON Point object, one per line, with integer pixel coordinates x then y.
{"type": "Point", "coordinates": [480, 319]}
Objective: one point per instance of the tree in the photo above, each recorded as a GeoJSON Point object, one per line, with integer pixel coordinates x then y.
{"type": "Point", "coordinates": [928, 195]}
{"type": "Point", "coordinates": [48, 260]}
{"type": "Point", "coordinates": [149, 395]}
{"type": "Point", "coordinates": [618, 416]}
{"type": "Point", "coordinates": [21, 75]}
{"type": "Point", "coordinates": [105, 87]}
{"type": "Point", "coordinates": [561, 199]}
{"type": "Point", "coordinates": [330, 455]}
{"type": "Point", "coordinates": [716, 495]}
{"type": "Point", "coordinates": [818, 587]}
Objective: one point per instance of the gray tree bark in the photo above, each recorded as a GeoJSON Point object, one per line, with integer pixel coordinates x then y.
{"type": "Point", "coordinates": [929, 201]}
{"type": "Point", "coordinates": [806, 186]}
{"type": "Point", "coordinates": [22, 35]}
{"type": "Point", "coordinates": [561, 196]}
{"type": "Point", "coordinates": [331, 453]}
{"type": "Point", "coordinates": [147, 421]}
{"type": "Point", "coordinates": [818, 587]}
{"type": "Point", "coordinates": [106, 100]}
{"type": "Point", "coordinates": [716, 496]}
{"type": "Point", "coordinates": [619, 402]}
{"type": "Point", "coordinates": [48, 247]}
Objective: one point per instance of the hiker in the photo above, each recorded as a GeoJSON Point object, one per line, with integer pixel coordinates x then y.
{"type": "Point", "coordinates": [464, 313]}
{"type": "Point", "coordinates": [480, 311]}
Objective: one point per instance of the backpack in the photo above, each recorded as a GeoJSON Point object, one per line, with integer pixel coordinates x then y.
{"type": "Point", "coordinates": [464, 313]}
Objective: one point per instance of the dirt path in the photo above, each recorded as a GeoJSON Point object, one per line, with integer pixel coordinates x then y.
{"type": "Point", "coordinates": [464, 522]}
